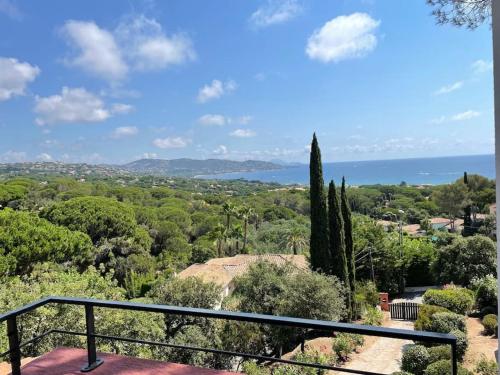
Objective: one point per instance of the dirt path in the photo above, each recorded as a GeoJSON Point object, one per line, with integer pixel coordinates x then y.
{"type": "Point", "coordinates": [382, 355]}
{"type": "Point", "coordinates": [479, 345]}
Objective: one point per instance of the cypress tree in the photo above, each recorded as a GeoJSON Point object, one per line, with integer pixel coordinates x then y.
{"type": "Point", "coordinates": [467, 209]}
{"type": "Point", "coordinates": [337, 244]}
{"type": "Point", "coordinates": [349, 244]}
{"type": "Point", "coordinates": [320, 256]}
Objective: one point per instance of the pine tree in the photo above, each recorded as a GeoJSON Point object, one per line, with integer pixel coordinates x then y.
{"type": "Point", "coordinates": [337, 244]}
{"type": "Point", "coordinates": [320, 255]}
{"type": "Point", "coordinates": [348, 239]}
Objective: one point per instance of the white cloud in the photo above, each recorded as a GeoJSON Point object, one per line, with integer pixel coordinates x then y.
{"type": "Point", "coordinates": [124, 131]}
{"type": "Point", "coordinates": [449, 88]}
{"type": "Point", "coordinates": [10, 9]}
{"type": "Point", "coordinates": [215, 90]}
{"type": "Point", "coordinates": [467, 115]}
{"type": "Point", "coordinates": [13, 157]}
{"type": "Point", "coordinates": [275, 12]}
{"type": "Point", "coordinates": [212, 120]}
{"type": "Point", "coordinates": [462, 116]}
{"type": "Point", "coordinates": [243, 133]}
{"type": "Point", "coordinates": [220, 150]}
{"type": "Point", "coordinates": [44, 157]}
{"type": "Point", "coordinates": [98, 52]}
{"type": "Point", "coordinates": [148, 155]}
{"type": "Point", "coordinates": [15, 76]}
{"type": "Point", "coordinates": [482, 66]}
{"type": "Point", "coordinates": [120, 108]}
{"type": "Point", "coordinates": [171, 142]}
{"type": "Point", "coordinates": [149, 48]}
{"type": "Point", "coordinates": [343, 37]}
{"type": "Point", "coordinates": [72, 105]}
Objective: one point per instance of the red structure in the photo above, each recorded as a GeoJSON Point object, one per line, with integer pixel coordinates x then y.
{"type": "Point", "coordinates": [69, 361]}
{"type": "Point", "coordinates": [384, 301]}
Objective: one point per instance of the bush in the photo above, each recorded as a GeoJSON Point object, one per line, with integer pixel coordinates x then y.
{"type": "Point", "coordinates": [462, 343]}
{"type": "Point", "coordinates": [443, 367]}
{"type": "Point", "coordinates": [486, 293]}
{"type": "Point", "coordinates": [457, 300]}
{"type": "Point", "coordinates": [415, 359]}
{"type": "Point", "coordinates": [423, 322]}
{"type": "Point", "coordinates": [437, 353]}
{"type": "Point", "coordinates": [373, 317]}
{"type": "Point", "coordinates": [445, 322]}
{"type": "Point", "coordinates": [486, 367]}
{"type": "Point", "coordinates": [490, 324]}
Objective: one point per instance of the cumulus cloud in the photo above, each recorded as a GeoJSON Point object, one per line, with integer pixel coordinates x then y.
{"type": "Point", "coordinates": [482, 66]}
{"type": "Point", "coordinates": [44, 157]}
{"type": "Point", "coordinates": [98, 52]}
{"type": "Point", "coordinates": [243, 133]}
{"type": "Point", "coordinates": [72, 105]}
{"type": "Point", "coordinates": [171, 142]}
{"type": "Point", "coordinates": [215, 90]}
{"type": "Point", "coordinates": [120, 108]}
{"type": "Point", "coordinates": [212, 120]}
{"type": "Point", "coordinates": [124, 131]}
{"type": "Point", "coordinates": [343, 37]}
{"type": "Point", "coordinates": [449, 88]}
{"type": "Point", "coordinates": [138, 43]}
{"type": "Point", "coordinates": [15, 76]}
{"type": "Point", "coordinates": [275, 12]}
{"type": "Point", "coordinates": [220, 150]}
{"type": "Point", "coordinates": [13, 156]}
{"type": "Point", "coordinates": [149, 48]}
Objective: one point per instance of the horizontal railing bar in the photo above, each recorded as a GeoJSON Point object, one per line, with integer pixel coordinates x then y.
{"type": "Point", "coordinates": [34, 339]}
{"type": "Point", "coordinates": [24, 309]}
{"type": "Point", "coordinates": [234, 354]}
{"type": "Point", "coordinates": [265, 319]}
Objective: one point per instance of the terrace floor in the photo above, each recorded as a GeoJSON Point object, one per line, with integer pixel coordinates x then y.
{"type": "Point", "coordinates": [69, 361]}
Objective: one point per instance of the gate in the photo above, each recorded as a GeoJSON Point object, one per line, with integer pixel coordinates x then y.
{"type": "Point", "coordinates": [404, 310]}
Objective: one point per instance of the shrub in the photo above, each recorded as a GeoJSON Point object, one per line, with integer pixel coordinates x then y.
{"type": "Point", "coordinates": [415, 359]}
{"type": "Point", "coordinates": [373, 316]}
{"type": "Point", "coordinates": [490, 324]}
{"type": "Point", "coordinates": [486, 293]}
{"type": "Point", "coordinates": [251, 368]}
{"type": "Point", "coordinates": [445, 322]}
{"type": "Point", "coordinates": [437, 353]}
{"type": "Point", "coordinates": [457, 300]}
{"type": "Point", "coordinates": [462, 343]}
{"type": "Point", "coordinates": [423, 322]}
{"type": "Point", "coordinates": [486, 367]}
{"type": "Point", "coordinates": [443, 367]}
{"type": "Point", "coordinates": [401, 373]}
{"type": "Point", "coordinates": [345, 343]}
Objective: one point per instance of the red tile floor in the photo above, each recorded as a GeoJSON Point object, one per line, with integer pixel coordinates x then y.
{"type": "Point", "coordinates": [69, 361]}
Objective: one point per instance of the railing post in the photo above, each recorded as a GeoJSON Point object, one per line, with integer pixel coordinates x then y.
{"type": "Point", "coordinates": [93, 361]}
{"type": "Point", "coordinates": [15, 351]}
{"type": "Point", "coordinates": [454, 358]}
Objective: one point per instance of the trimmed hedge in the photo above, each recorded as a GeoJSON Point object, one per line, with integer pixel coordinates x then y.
{"type": "Point", "coordinates": [425, 313]}
{"type": "Point", "coordinates": [445, 322]}
{"type": "Point", "coordinates": [443, 367]}
{"type": "Point", "coordinates": [462, 343]}
{"type": "Point", "coordinates": [490, 324]}
{"type": "Point", "coordinates": [438, 353]}
{"type": "Point", "coordinates": [457, 300]}
{"type": "Point", "coordinates": [415, 359]}
{"type": "Point", "coordinates": [486, 294]}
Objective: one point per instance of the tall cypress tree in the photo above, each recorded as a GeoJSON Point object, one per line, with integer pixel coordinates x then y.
{"type": "Point", "coordinates": [349, 243]}
{"type": "Point", "coordinates": [320, 255]}
{"type": "Point", "coordinates": [468, 208]}
{"type": "Point", "coordinates": [337, 244]}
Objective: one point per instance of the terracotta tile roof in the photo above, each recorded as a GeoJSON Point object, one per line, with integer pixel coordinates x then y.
{"type": "Point", "coordinates": [222, 270]}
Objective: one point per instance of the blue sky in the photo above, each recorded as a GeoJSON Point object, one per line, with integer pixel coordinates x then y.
{"type": "Point", "coordinates": [113, 81]}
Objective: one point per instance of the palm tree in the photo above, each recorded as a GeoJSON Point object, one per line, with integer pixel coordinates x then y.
{"type": "Point", "coordinates": [295, 241]}
{"type": "Point", "coordinates": [229, 210]}
{"type": "Point", "coordinates": [236, 234]}
{"type": "Point", "coordinates": [219, 235]}
{"type": "Point", "coordinates": [245, 213]}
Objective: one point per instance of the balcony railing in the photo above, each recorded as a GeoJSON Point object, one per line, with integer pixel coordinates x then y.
{"type": "Point", "coordinates": [14, 352]}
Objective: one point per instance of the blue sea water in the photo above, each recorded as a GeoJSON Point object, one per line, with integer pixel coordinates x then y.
{"type": "Point", "coordinates": [413, 171]}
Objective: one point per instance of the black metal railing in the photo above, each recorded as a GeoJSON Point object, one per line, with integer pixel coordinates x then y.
{"type": "Point", "coordinates": [14, 352]}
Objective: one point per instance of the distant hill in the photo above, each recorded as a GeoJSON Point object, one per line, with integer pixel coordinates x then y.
{"type": "Point", "coordinates": [193, 167]}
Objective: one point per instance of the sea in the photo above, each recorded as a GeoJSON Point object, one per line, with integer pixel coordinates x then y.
{"type": "Point", "coordinates": [418, 171]}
